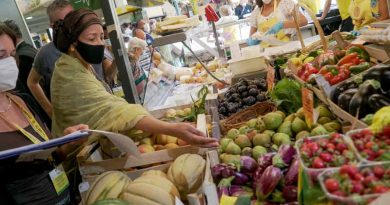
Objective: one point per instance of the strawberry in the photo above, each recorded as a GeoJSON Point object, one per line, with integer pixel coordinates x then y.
{"type": "Point", "coordinates": [379, 188]}
{"type": "Point", "coordinates": [323, 142]}
{"type": "Point", "coordinates": [318, 163]}
{"type": "Point", "coordinates": [348, 154]}
{"type": "Point", "coordinates": [332, 185]}
{"type": "Point", "coordinates": [330, 147]}
{"type": "Point", "coordinates": [357, 187]}
{"type": "Point", "coordinates": [326, 157]}
{"type": "Point", "coordinates": [369, 180]}
{"type": "Point", "coordinates": [358, 177]}
{"type": "Point", "coordinates": [350, 170]}
{"type": "Point", "coordinates": [313, 147]}
{"type": "Point", "coordinates": [341, 146]}
{"type": "Point", "coordinates": [379, 171]}
{"type": "Point", "coordinates": [359, 144]}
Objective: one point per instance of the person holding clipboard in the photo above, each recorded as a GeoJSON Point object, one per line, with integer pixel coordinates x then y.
{"type": "Point", "coordinates": [29, 182]}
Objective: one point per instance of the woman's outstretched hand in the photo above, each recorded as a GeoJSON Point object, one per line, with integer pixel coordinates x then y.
{"type": "Point", "coordinates": [193, 136]}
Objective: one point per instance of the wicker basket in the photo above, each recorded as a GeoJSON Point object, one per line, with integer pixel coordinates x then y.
{"type": "Point", "coordinates": [324, 39]}
{"type": "Point", "coordinates": [240, 118]}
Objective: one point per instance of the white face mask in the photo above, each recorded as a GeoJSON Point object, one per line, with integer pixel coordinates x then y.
{"type": "Point", "coordinates": [266, 1]}
{"type": "Point", "coordinates": [8, 74]}
{"type": "Point", "coordinates": [147, 28]}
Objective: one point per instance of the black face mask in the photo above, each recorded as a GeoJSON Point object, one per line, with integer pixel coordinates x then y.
{"type": "Point", "coordinates": [91, 53]}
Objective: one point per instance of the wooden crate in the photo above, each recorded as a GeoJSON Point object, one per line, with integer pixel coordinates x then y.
{"type": "Point", "coordinates": [159, 160]}
{"type": "Point", "coordinates": [342, 114]}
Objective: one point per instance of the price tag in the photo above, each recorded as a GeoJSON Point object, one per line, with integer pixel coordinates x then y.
{"type": "Point", "coordinates": [308, 106]}
{"type": "Point", "coordinates": [270, 78]}
{"type": "Point", "coordinates": [323, 84]}
{"type": "Point", "coordinates": [59, 179]}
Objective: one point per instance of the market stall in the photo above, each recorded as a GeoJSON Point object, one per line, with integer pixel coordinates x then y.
{"type": "Point", "coordinates": [301, 122]}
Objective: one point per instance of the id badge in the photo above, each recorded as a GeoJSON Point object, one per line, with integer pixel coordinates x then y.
{"type": "Point", "coordinates": [59, 179]}
{"type": "Point", "coordinates": [118, 91]}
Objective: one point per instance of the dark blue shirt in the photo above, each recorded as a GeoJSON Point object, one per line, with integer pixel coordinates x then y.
{"type": "Point", "coordinates": [240, 11]}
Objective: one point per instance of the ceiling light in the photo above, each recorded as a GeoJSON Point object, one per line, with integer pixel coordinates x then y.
{"type": "Point", "coordinates": [29, 17]}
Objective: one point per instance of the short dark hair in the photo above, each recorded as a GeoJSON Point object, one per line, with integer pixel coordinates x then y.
{"type": "Point", "coordinates": [5, 30]}
{"type": "Point", "coordinates": [14, 27]}
{"type": "Point", "coordinates": [55, 6]}
{"type": "Point", "coordinates": [259, 3]}
{"type": "Point", "coordinates": [68, 30]}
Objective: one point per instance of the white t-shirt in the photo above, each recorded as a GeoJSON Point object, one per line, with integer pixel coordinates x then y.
{"type": "Point", "coordinates": [283, 11]}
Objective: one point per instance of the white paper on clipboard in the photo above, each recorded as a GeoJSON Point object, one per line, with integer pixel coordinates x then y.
{"type": "Point", "coordinates": [122, 142]}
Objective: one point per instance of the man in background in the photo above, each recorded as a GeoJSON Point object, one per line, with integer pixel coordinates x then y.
{"type": "Point", "coordinates": [243, 9]}
{"type": "Point", "coordinates": [24, 56]}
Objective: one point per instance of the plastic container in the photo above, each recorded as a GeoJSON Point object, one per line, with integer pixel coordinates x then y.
{"type": "Point", "coordinates": [313, 172]}
{"type": "Point", "coordinates": [349, 140]}
{"type": "Point", "coordinates": [352, 199]}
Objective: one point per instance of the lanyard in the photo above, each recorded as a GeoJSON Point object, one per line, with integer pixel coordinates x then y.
{"type": "Point", "coordinates": [33, 122]}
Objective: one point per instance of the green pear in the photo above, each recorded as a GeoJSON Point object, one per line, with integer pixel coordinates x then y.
{"type": "Point", "coordinates": [243, 141]}
{"type": "Point", "coordinates": [298, 125]}
{"type": "Point", "coordinates": [272, 120]}
{"type": "Point", "coordinates": [233, 148]}
{"type": "Point", "coordinates": [285, 128]}
{"type": "Point", "coordinates": [262, 140]}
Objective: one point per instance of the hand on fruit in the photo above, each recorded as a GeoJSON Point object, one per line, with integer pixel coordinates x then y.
{"type": "Point", "coordinates": [192, 135]}
{"type": "Point", "coordinates": [276, 28]}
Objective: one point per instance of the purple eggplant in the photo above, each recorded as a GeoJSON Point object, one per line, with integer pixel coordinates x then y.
{"type": "Point", "coordinates": [240, 178]}
{"type": "Point", "coordinates": [237, 191]}
{"type": "Point", "coordinates": [290, 193]}
{"type": "Point", "coordinates": [265, 160]}
{"type": "Point", "coordinates": [284, 156]}
{"type": "Point", "coordinates": [228, 171]}
{"type": "Point", "coordinates": [224, 186]}
{"type": "Point", "coordinates": [268, 181]}
{"type": "Point", "coordinates": [257, 174]}
{"type": "Point", "coordinates": [220, 171]}
{"type": "Point", "coordinates": [291, 177]}
{"type": "Point", "coordinates": [248, 164]}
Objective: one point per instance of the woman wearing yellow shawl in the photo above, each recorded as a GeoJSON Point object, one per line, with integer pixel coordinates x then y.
{"type": "Point", "coordinates": [78, 96]}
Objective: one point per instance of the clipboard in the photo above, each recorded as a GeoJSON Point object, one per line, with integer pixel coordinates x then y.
{"type": "Point", "coordinates": [44, 149]}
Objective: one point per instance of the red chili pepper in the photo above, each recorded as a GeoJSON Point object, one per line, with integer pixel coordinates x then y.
{"type": "Point", "coordinates": [328, 76]}
{"type": "Point", "coordinates": [350, 58]}
{"type": "Point", "coordinates": [336, 79]}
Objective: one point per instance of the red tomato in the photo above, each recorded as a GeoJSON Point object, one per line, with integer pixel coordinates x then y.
{"type": "Point", "coordinates": [318, 163]}
{"type": "Point", "coordinates": [378, 189]}
{"type": "Point", "coordinates": [332, 185]}
{"type": "Point", "coordinates": [326, 157]}
{"type": "Point", "coordinates": [379, 171]}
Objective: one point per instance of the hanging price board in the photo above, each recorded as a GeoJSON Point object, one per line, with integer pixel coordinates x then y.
{"type": "Point", "coordinates": [270, 78]}
{"type": "Point", "coordinates": [308, 106]}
